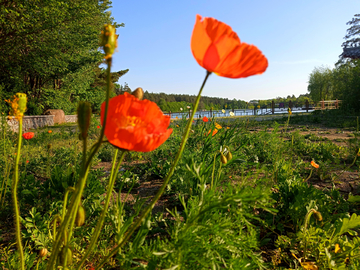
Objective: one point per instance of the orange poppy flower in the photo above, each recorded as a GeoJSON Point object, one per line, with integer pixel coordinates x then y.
{"type": "Point", "coordinates": [213, 132]}
{"type": "Point", "coordinates": [217, 48]}
{"type": "Point", "coordinates": [136, 125]}
{"type": "Point", "coordinates": [316, 166]}
{"type": "Point", "coordinates": [28, 135]}
{"type": "Point", "coordinates": [205, 119]}
{"type": "Point", "coordinates": [49, 131]}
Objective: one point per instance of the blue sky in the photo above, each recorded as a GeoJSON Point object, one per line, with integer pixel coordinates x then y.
{"type": "Point", "coordinates": [295, 36]}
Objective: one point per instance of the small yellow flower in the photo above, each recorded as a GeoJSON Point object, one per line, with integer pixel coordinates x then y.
{"type": "Point", "coordinates": [289, 111]}
{"type": "Point", "coordinates": [177, 125]}
{"type": "Point", "coordinates": [337, 248]}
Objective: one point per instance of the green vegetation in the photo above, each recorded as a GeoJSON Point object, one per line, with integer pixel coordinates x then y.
{"type": "Point", "coordinates": [260, 210]}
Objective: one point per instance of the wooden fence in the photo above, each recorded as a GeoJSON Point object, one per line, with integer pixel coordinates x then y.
{"type": "Point", "coordinates": [328, 104]}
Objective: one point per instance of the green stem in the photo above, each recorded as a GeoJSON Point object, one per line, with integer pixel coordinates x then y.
{"type": "Point", "coordinates": [66, 199]}
{"type": "Point", "coordinates": [94, 238]}
{"type": "Point", "coordinates": [306, 222]}
{"type": "Point", "coordinates": [287, 123]}
{"type": "Point", "coordinates": [75, 199]}
{"type": "Point", "coordinates": [148, 209]}
{"type": "Point", "coordinates": [308, 176]}
{"type": "Point", "coordinates": [78, 199]}
{"type": "Point", "coordinates": [213, 172]}
{"type": "Point", "coordinates": [15, 200]}
{"type": "Point", "coordinates": [54, 221]}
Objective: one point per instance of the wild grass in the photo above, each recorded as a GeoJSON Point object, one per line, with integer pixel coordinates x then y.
{"type": "Point", "coordinates": [264, 208]}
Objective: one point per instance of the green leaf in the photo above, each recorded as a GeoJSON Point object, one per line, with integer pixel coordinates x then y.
{"type": "Point", "coordinates": [348, 224]}
{"type": "Point", "coordinates": [354, 199]}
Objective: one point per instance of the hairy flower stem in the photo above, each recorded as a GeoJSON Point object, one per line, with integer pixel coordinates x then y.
{"type": "Point", "coordinates": [94, 238]}
{"type": "Point", "coordinates": [306, 223]}
{"type": "Point", "coordinates": [79, 188]}
{"type": "Point", "coordinates": [287, 124]}
{"type": "Point", "coordinates": [148, 209]}
{"type": "Point", "coordinates": [15, 199]}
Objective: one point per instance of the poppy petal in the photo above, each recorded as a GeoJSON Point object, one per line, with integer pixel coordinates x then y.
{"type": "Point", "coordinates": [217, 48]}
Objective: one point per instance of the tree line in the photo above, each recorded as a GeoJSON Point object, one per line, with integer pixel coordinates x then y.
{"type": "Point", "coordinates": [343, 81]}
{"type": "Point", "coordinates": [176, 102]}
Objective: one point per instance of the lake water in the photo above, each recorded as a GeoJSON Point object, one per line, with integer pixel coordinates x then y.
{"type": "Point", "coordinates": [238, 112]}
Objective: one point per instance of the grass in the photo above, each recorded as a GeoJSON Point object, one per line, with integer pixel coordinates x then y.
{"type": "Point", "coordinates": [265, 208]}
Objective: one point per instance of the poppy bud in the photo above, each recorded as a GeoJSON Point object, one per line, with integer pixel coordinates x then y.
{"type": "Point", "coordinates": [108, 40]}
{"type": "Point", "coordinates": [229, 155]}
{"type": "Point", "coordinates": [18, 106]}
{"type": "Point", "coordinates": [84, 116]}
{"type": "Point", "coordinates": [80, 216]}
{"type": "Point", "coordinates": [318, 216]}
{"type": "Point", "coordinates": [43, 252]}
{"type": "Point", "coordinates": [22, 102]}
{"type": "Point", "coordinates": [138, 93]}
{"type": "Point", "coordinates": [223, 159]}
{"type": "Point", "coordinates": [66, 253]}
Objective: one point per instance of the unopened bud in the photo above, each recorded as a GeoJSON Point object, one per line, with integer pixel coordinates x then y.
{"type": "Point", "coordinates": [22, 102]}
{"type": "Point", "coordinates": [229, 155]}
{"type": "Point", "coordinates": [138, 93]}
{"type": "Point", "coordinates": [223, 158]}
{"type": "Point", "coordinates": [84, 116]}
{"type": "Point", "coordinates": [318, 216]}
{"type": "Point", "coordinates": [43, 252]}
{"type": "Point", "coordinates": [80, 216]}
{"type": "Point", "coordinates": [108, 40]}
{"type": "Point", "coordinates": [66, 253]}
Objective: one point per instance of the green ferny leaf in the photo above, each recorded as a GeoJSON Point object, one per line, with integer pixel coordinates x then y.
{"type": "Point", "coordinates": [348, 224]}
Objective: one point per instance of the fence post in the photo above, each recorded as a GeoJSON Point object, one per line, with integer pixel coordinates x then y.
{"type": "Point", "coordinates": [323, 105]}
{"type": "Point", "coordinates": [272, 107]}
{"type": "Point", "coordinates": [336, 104]}
{"type": "Point", "coordinates": [307, 105]}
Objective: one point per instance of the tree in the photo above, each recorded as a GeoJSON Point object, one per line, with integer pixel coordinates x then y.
{"type": "Point", "coordinates": [321, 84]}
{"type": "Point", "coordinates": [352, 37]}
{"type": "Point", "coordinates": [50, 49]}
